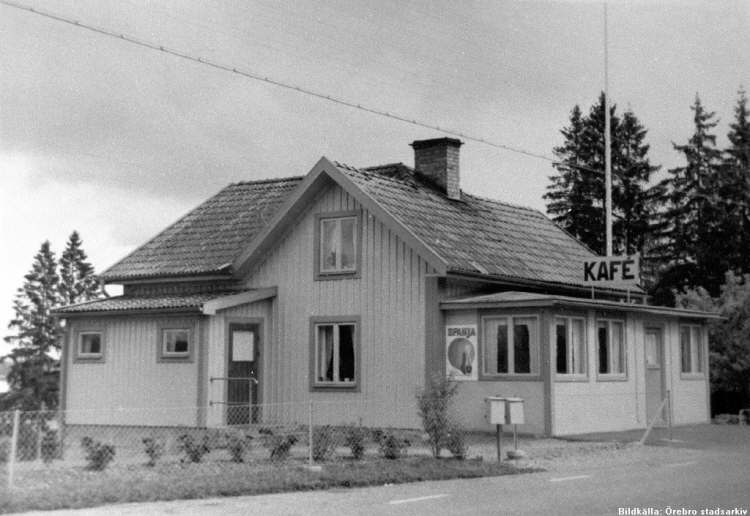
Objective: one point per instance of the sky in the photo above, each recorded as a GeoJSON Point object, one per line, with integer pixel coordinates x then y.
{"type": "Point", "coordinates": [118, 141]}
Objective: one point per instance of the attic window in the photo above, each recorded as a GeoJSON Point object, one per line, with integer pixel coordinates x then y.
{"type": "Point", "coordinates": [337, 245]}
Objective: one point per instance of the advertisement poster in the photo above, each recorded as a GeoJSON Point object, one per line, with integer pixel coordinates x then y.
{"type": "Point", "coordinates": [461, 352]}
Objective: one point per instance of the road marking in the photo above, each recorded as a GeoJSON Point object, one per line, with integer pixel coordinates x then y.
{"type": "Point", "coordinates": [565, 479]}
{"type": "Point", "coordinates": [418, 499]}
{"type": "Point", "coordinates": [680, 464]}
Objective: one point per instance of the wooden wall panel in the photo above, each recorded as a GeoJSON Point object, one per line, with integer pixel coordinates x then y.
{"type": "Point", "coordinates": [388, 296]}
{"type": "Point", "coordinates": [130, 386]}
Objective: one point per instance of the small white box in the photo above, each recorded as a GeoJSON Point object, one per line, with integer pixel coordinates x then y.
{"type": "Point", "coordinates": [514, 411]}
{"type": "Point", "coordinates": [496, 410]}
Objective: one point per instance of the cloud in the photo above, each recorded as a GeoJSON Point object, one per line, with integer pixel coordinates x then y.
{"type": "Point", "coordinates": [111, 220]}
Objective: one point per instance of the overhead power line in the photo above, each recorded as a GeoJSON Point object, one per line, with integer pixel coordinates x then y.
{"type": "Point", "coordinates": [306, 91]}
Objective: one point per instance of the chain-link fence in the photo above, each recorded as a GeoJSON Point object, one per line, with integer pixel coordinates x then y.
{"type": "Point", "coordinates": [46, 448]}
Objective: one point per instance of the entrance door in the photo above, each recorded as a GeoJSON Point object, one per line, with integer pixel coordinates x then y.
{"type": "Point", "coordinates": [654, 345]}
{"type": "Point", "coordinates": [242, 374]}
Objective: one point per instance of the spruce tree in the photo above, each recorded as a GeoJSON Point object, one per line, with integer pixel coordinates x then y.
{"type": "Point", "coordinates": [78, 282]}
{"type": "Point", "coordinates": [33, 378]}
{"type": "Point", "coordinates": [575, 196]}
{"type": "Point", "coordinates": [696, 236]}
{"type": "Point", "coordinates": [737, 166]}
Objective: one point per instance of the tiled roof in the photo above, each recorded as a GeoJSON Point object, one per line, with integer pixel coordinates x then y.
{"type": "Point", "coordinates": [207, 239]}
{"type": "Point", "coordinates": [144, 303]}
{"type": "Point", "coordinates": [475, 235]}
{"type": "Point", "coordinates": [516, 299]}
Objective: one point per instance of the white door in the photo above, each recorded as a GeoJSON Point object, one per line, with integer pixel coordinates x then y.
{"type": "Point", "coordinates": [654, 346]}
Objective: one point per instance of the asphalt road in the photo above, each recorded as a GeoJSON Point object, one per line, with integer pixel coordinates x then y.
{"type": "Point", "coordinates": [710, 475]}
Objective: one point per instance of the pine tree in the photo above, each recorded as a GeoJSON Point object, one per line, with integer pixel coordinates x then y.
{"type": "Point", "coordinates": [33, 378]}
{"type": "Point", "coordinates": [575, 197]}
{"type": "Point", "coordinates": [696, 235]}
{"type": "Point", "coordinates": [737, 166]}
{"type": "Point", "coordinates": [78, 282]}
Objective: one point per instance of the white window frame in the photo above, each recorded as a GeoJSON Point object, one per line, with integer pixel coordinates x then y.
{"type": "Point", "coordinates": [696, 351]}
{"type": "Point", "coordinates": [338, 268]}
{"type": "Point", "coordinates": [571, 362]}
{"type": "Point", "coordinates": [87, 356]}
{"type": "Point", "coordinates": [610, 374]}
{"type": "Point", "coordinates": [336, 383]}
{"type": "Point", "coordinates": [534, 347]}
{"type": "Point", "coordinates": [165, 354]}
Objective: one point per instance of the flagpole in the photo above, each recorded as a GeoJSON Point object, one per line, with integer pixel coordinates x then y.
{"type": "Point", "coordinates": [607, 143]}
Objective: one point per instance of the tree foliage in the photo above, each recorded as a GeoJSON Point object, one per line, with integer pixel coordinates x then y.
{"type": "Point", "coordinates": [33, 378]}
{"type": "Point", "coordinates": [701, 231]}
{"type": "Point", "coordinates": [729, 338]}
{"type": "Point", "coordinates": [575, 195]}
{"type": "Point", "coordinates": [78, 283]}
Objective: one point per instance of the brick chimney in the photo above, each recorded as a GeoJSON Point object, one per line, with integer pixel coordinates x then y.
{"type": "Point", "coordinates": [438, 159]}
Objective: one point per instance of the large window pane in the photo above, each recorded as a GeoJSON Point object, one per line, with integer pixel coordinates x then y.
{"type": "Point", "coordinates": [578, 345]}
{"type": "Point", "coordinates": [329, 244]}
{"type": "Point", "coordinates": [325, 353]}
{"type": "Point", "coordinates": [348, 257]}
{"type": "Point", "coordinates": [91, 344]}
{"type": "Point", "coordinates": [696, 349]}
{"type": "Point", "coordinates": [603, 347]}
{"type": "Point", "coordinates": [521, 349]}
{"type": "Point", "coordinates": [502, 348]}
{"type": "Point", "coordinates": [685, 348]}
{"type": "Point", "coordinates": [175, 341]}
{"type": "Point", "coordinates": [617, 347]}
{"type": "Point", "coordinates": [346, 353]}
{"type": "Point", "coordinates": [562, 348]}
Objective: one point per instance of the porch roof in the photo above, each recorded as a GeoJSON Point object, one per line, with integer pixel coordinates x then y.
{"type": "Point", "coordinates": [207, 303]}
{"type": "Point", "coordinates": [514, 299]}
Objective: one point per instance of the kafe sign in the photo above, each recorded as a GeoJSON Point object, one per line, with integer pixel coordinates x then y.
{"type": "Point", "coordinates": [461, 352]}
{"type": "Point", "coordinates": [612, 271]}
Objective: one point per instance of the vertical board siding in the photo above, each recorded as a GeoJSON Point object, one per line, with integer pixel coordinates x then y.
{"type": "Point", "coordinates": [389, 298]}
{"type": "Point", "coordinates": [597, 405]}
{"type": "Point", "coordinates": [690, 396]}
{"type": "Point", "coordinates": [131, 387]}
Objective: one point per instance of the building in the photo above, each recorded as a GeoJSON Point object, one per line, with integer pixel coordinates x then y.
{"type": "Point", "coordinates": [355, 285]}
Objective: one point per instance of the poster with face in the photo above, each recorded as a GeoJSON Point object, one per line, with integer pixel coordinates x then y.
{"type": "Point", "coordinates": [461, 352]}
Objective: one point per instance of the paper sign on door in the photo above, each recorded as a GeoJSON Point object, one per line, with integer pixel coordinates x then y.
{"type": "Point", "coordinates": [243, 346]}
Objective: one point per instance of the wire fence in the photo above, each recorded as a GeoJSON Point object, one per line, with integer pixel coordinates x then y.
{"type": "Point", "coordinates": [47, 448]}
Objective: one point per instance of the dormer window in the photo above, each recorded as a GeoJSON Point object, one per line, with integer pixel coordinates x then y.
{"type": "Point", "coordinates": [337, 245]}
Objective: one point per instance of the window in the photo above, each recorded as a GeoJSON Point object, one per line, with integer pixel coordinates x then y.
{"type": "Point", "coordinates": [174, 344]}
{"type": "Point", "coordinates": [691, 350]}
{"type": "Point", "coordinates": [570, 345]}
{"type": "Point", "coordinates": [334, 354]}
{"type": "Point", "coordinates": [90, 346]}
{"type": "Point", "coordinates": [510, 345]}
{"type": "Point", "coordinates": [610, 336]}
{"type": "Point", "coordinates": [337, 242]}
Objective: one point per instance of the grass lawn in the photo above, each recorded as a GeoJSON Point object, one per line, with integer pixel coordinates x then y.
{"type": "Point", "coordinates": [77, 487]}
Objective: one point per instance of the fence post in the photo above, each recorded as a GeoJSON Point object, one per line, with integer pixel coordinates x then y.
{"type": "Point", "coordinates": [13, 447]}
{"type": "Point", "coordinates": [310, 434]}
{"type": "Point", "coordinates": [669, 413]}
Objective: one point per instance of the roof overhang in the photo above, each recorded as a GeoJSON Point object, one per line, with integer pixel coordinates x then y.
{"type": "Point", "coordinates": [530, 300]}
{"type": "Point", "coordinates": [636, 292]}
{"type": "Point", "coordinates": [185, 304]}
{"type": "Point", "coordinates": [322, 175]}
{"type": "Point", "coordinates": [243, 298]}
